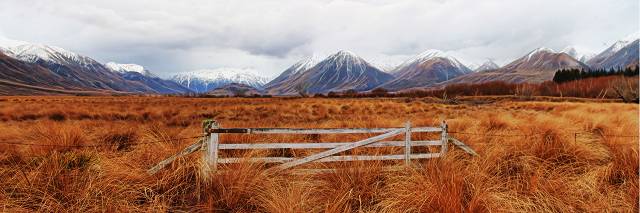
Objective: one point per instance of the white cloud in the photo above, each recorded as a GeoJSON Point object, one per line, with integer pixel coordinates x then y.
{"type": "Point", "coordinates": [173, 36]}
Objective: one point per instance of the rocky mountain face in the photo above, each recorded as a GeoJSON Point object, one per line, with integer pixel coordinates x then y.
{"type": "Point", "coordinates": [202, 81]}
{"type": "Point", "coordinates": [619, 55]}
{"type": "Point", "coordinates": [426, 69]}
{"type": "Point", "coordinates": [341, 71]}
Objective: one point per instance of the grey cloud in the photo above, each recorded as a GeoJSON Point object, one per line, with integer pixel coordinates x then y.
{"type": "Point", "coordinates": [172, 36]}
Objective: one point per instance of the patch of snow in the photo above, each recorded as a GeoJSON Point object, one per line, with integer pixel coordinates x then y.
{"type": "Point", "coordinates": [488, 65]}
{"type": "Point", "coordinates": [539, 50]}
{"type": "Point", "coordinates": [433, 53]}
{"type": "Point", "coordinates": [580, 55]}
{"type": "Point", "coordinates": [353, 63]}
{"type": "Point", "coordinates": [305, 64]}
{"type": "Point", "coordinates": [123, 68]}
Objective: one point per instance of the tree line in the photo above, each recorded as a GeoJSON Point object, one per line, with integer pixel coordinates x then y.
{"type": "Point", "coordinates": [566, 75]}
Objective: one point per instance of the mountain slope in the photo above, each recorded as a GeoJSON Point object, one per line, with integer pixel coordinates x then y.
{"type": "Point", "coordinates": [83, 71]}
{"type": "Point", "coordinates": [21, 72]}
{"type": "Point", "coordinates": [339, 72]}
{"type": "Point", "coordinates": [137, 73]}
{"type": "Point", "coordinates": [621, 54]}
{"type": "Point", "coordinates": [428, 68]}
{"type": "Point", "coordinates": [296, 69]}
{"type": "Point", "coordinates": [204, 80]}
{"type": "Point", "coordinates": [235, 89]}
{"type": "Point", "coordinates": [538, 66]}
{"type": "Point", "coordinates": [488, 65]}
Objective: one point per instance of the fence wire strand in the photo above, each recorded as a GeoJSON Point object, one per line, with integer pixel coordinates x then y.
{"type": "Point", "coordinates": [96, 145]}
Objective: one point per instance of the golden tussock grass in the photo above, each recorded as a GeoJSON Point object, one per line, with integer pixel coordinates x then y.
{"type": "Point", "coordinates": [537, 165]}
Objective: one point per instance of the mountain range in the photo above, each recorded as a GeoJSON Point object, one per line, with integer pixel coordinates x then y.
{"type": "Point", "coordinates": [202, 81]}
{"type": "Point", "coordinates": [538, 66]}
{"type": "Point", "coordinates": [41, 69]}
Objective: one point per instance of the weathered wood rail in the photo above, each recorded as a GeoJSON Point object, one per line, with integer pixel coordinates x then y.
{"type": "Point", "coordinates": [212, 146]}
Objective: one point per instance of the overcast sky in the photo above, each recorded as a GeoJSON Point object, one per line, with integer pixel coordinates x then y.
{"type": "Point", "coordinates": [268, 36]}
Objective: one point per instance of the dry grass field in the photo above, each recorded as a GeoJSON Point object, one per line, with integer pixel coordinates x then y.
{"type": "Point", "coordinates": [530, 159]}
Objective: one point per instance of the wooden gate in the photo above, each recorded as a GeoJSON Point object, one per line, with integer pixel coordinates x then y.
{"type": "Point", "coordinates": [211, 145]}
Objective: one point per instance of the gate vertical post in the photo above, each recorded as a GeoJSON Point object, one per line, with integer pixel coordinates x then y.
{"type": "Point", "coordinates": [210, 157]}
{"type": "Point", "coordinates": [407, 143]}
{"type": "Point", "coordinates": [444, 138]}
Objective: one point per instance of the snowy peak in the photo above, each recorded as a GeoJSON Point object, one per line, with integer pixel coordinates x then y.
{"type": "Point", "coordinates": [539, 50]}
{"type": "Point", "coordinates": [345, 57]}
{"type": "Point", "coordinates": [33, 52]}
{"type": "Point", "coordinates": [622, 53]}
{"type": "Point", "coordinates": [123, 68]}
{"type": "Point", "coordinates": [543, 59]}
{"type": "Point", "coordinates": [431, 55]}
{"type": "Point", "coordinates": [304, 64]}
{"type": "Point", "coordinates": [384, 66]}
{"type": "Point", "coordinates": [426, 55]}
{"type": "Point", "coordinates": [345, 61]}
{"type": "Point", "coordinates": [206, 79]}
{"type": "Point", "coordinates": [488, 65]}
{"type": "Point", "coordinates": [426, 69]}
{"type": "Point", "coordinates": [227, 73]}
{"type": "Point", "coordinates": [581, 56]}
{"type": "Point", "coordinates": [298, 68]}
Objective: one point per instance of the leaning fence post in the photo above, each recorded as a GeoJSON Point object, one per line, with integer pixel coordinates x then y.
{"type": "Point", "coordinates": [210, 157]}
{"type": "Point", "coordinates": [444, 139]}
{"type": "Point", "coordinates": [407, 143]}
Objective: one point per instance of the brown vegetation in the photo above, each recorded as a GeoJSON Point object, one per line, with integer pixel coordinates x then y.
{"type": "Point", "coordinates": [537, 165]}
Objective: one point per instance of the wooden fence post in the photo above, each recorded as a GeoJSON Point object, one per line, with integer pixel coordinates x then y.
{"type": "Point", "coordinates": [210, 157]}
{"type": "Point", "coordinates": [407, 143]}
{"type": "Point", "coordinates": [444, 138]}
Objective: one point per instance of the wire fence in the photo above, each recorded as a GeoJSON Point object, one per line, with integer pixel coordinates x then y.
{"type": "Point", "coordinates": [97, 145]}
{"type": "Point", "coordinates": [574, 134]}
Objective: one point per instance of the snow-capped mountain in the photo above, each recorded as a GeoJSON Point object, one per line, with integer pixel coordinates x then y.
{"type": "Point", "coordinates": [427, 68]}
{"type": "Point", "coordinates": [124, 68]}
{"type": "Point", "coordinates": [33, 53]}
{"type": "Point", "coordinates": [204, 80]}
{"type": "Point", "coordinates": [582, 56]}
{"type": "Point", "coordinates": [488, 65]}
{"type": "Point", "coordinates": [81, 71]}
{"type": "Point", "coordinates": [537, 66]}
{"type": "Point", "coordinates": [384, 66]}
{"type": "Point", "coordinates": [341, 71]}
{"type": "Point", "coordinates": [295, 69]}
{"type": "Point", "coordinates": [428, 55]}
{"type": "Point", "coordinates": [137, 73]}
{"type": "Point", "coordinates": [622, 53]}
{"type": "Point", "coordinates": [544, 59]}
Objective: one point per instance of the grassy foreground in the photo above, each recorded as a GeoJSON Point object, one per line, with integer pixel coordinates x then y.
{"type": "Point", "coordinates": [530, 157]}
